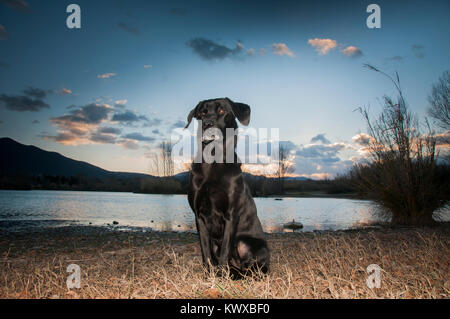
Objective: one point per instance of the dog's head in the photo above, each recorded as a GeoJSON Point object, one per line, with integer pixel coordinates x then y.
{"type": "Point", "coordinates": [220, 113]}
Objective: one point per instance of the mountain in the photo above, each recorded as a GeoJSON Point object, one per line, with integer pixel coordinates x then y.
{"type": "Point", "coordinates": [20, 159]}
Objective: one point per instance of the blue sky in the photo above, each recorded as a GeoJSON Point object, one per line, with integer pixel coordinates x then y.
{"type": "Point", "coordinates": [109, 92]}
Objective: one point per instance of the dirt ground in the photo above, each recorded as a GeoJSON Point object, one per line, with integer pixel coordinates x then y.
{"type": "Point", "coordinates": [414, 262]}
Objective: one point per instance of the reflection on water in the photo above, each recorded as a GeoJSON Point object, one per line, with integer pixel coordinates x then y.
{"type": "Point", "coordinates": [169, 212]}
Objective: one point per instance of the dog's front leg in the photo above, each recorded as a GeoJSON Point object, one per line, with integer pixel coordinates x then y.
{"type": "Point", "coordinates": [205, 242]}
{"type": "Point", "coordinates": [225, 249]}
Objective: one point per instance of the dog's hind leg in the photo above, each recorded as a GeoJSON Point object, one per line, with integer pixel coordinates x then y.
{"type": "Point", "coordinates": [253, 254]}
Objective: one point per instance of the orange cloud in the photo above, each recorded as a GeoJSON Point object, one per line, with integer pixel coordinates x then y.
{"type": "Point", "coordinates": [352, 51]}
{"type": "Point", "coordinates": [323, 46]}
{"type": "Point", "coordinates": [282, 49]}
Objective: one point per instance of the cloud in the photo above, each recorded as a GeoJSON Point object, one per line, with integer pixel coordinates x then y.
{"type": "Point", "coordinates": [88, 114]}
{"type": "Point", "coordinates": [321, 151]}
{"type": "Point", "coordinates": [139, 137]}
{"type": "Point", "coordinates": [178, 124]}
{"type": "Point", "coordinates": [103, 138]}
{"type": "Point", "coordinates": [282, 49]}
{"type": "Point", "coordinates": [128, 28]}
{"type": "Point", "coordinates": [147, 66]}
{"type": "Point", "coordinates": [262, 51]}
{"type": "Point", "coordinates": [320, 138]}
{"type": "Point", "coordinates": [80, 124]}
{"type": "Point", "coordinates": [31, 101]}
{"type": "Point", "coordinates": [64, 91]}
{"type": "Point", "coordinates": [20, 5]}
{"type": "Point", "coordinates": [323, 46]}
{"type": "Point", "coordinates": [35, 122]}
{"type": "Point", "coordinates": [352, 51]}
{"type": "Point", "coordinates": [319, 161]}
{"type": "Point", "coordinates": [251, 51]}
{"type": "Point", "coordinates": [106, 75]}
{"type": "Point", "coordinates": [96, 134]}
{"type": "Point", "coordinates": [128, 144]}
{"type": "Point", "coordinates": [65, 138]}
{"type": "Point", "coordinates": [128, 117]}
{"type": "Point", "coordinates": [3, 33]}
{"type": "Point", "coordinates": [288, 145]}
{"type": "Point", "coordinates": [120, 103]}
{"type": "Point", "coordinates": [210, 50]}
{"type": "Point", "coordinates": [318, 176]}
{"type": "Point", "coordinates": [35, 92]}
{"type": "Point", "coordinates": [362, 139]}
{"type": "Point", "coordinates": [418, 50]}
{"type": "Point", "coordinates": [110, 130]}
{"type": "Point", "coordinates": [85, 125]}
{"type": "Point", "coordinates": [152, 122]}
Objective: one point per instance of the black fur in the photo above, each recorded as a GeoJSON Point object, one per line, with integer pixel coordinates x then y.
{"type": "Point", "coordinates": [229, 230]}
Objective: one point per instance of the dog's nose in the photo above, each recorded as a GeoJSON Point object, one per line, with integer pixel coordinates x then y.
{"type": "Point", "coordinates": [208, 124]}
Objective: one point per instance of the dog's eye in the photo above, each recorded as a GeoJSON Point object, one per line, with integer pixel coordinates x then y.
{"type": "Point", "coordinates": [202, 113]}
{"type": "Point", "coordinates": [221, 111]}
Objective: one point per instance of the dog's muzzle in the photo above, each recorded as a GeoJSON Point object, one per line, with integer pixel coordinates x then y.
{"type": "Point", "coordinates": [211, 134]}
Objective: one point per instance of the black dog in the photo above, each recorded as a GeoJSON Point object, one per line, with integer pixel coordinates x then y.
{"type": "Point", "coordinates": [225, 213]}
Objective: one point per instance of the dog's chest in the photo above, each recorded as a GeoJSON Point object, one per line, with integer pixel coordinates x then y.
{"type": "Point", "coordinates": [214, 189]}
{"type": "Point", "coordinates": [212, 199]}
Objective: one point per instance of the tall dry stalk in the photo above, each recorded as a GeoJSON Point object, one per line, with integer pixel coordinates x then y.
{"type": "Point", "coordinates": [284, 166]}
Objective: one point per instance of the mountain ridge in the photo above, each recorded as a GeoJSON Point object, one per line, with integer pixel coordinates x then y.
{"type": "Point", "coordinates": [21, 159]}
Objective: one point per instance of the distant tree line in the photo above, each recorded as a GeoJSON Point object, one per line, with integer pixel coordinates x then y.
{"type": "Point", "coordinates": [79, 182]}
{"type": "Point", "coordinates": [260, 186]}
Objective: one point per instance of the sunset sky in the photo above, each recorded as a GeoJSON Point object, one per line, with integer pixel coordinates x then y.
{"type": "Point", "coordinates": [110, 92]}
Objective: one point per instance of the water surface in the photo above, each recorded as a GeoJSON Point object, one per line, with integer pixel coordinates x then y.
{"type": "Point", "coordinates": [21, 210]}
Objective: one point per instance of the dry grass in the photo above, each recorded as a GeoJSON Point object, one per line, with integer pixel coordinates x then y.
{"type": "Point", "coordinates": [415, 264]}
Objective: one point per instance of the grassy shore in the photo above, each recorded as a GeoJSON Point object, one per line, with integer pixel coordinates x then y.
{"type": "Point", "coordinates": [415, 263]}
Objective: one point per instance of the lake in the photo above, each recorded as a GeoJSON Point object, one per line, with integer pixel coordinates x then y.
{"type": "Point", "coordinates": [23, 210]}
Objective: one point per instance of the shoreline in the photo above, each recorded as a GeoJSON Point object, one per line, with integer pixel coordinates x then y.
{"type": "Point", "coordinates": [91, 230]}
{"type": "Point", "coordinates": [287, 195]}
{"type": "Point", "coordinates": [27, 227]}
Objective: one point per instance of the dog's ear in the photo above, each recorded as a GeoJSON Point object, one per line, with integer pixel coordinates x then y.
{"type": "Point", "coordinates": [192, 113]}
{"type": "Point", "coordinates": [242, 112]}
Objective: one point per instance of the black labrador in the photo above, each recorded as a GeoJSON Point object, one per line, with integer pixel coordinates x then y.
{"type": "Point", "coordinates": [229, 229]}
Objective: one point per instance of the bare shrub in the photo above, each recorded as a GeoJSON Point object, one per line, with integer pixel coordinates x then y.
{"type": "Point", "coordinates": [161, 161]}
{"type": "Point", "coordinates": [401, 175]}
